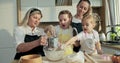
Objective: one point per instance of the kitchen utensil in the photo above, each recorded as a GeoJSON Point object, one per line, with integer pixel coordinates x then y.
{"type": "Point", "coordinates": [33, 58]}
{"type": "Point", "coordinates": [75, 58]}
{"type": "Point", "coordinates": [102, 37]}
{"type": "Point", "coordinates": [54, 54]}
{"type": "Point", "coordinates": [52, 42]}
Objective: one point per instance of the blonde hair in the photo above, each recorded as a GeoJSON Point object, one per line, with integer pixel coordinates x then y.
{"type": "Point", "coordinates": [89, 12]}
{"type": "Point", "coordinates": [91, 19]}
{"type": "Point", "coordinates": [30, 12]}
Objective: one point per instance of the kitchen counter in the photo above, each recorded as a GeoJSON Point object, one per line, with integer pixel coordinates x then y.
{"type": "Point", "coordinates": [105, 58]}
{"type": "Point", "coordinates": [111, 45]}
{"type": "Point", "coordinates": [111, 48]}
{"type": "Point", "coordinates": [99, 58]}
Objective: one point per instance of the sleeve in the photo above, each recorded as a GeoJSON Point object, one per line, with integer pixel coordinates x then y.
{"type": "Point", "coordinates": [19, 36]}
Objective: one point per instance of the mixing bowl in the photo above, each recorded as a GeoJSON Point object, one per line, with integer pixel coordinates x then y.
{"type": "Point", "coordinates": [54, 55]}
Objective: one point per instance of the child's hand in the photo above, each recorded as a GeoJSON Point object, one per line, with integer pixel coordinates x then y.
{"type": "Point", "coordinates": [70, 43]}
{"type": "Point", "coordinates": [61, 46]}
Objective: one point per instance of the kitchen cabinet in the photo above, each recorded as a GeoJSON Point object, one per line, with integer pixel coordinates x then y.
{"type": "Point", "coordinates": [37, 3]}
{"type": "Point", "coordinates": [28, 3]}
{"type": "Point", "coordinates": [96, 3]}
{"type": "Point", "coordinates": [46, 3]}
{"type": "Point", "coordinates": [48, 8]}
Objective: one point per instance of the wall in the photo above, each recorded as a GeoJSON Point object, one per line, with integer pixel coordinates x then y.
{"type": "Point", "coordinates": [8, 20]}
{"type": "Point", "coordinates": [50, 10]}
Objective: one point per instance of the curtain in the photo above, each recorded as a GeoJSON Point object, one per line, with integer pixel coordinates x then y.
{"type": "Point", "coordinates": [107, 15]}
{"type": "Point", "coordinates": [117, 12]}
{"type": "Point", "coordinates": [113, 16]}
{"type": "Point", "coordinates": [112, 12]}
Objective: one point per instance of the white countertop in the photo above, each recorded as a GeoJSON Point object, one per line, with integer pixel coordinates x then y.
{"type": "Point", "coordinates": [99, 58]}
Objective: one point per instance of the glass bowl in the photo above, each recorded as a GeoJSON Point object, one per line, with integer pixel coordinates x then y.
{"type": "Point", "coordinates": [54, 54]}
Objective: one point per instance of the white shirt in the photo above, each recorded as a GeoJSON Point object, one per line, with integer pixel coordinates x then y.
{"type": "Point", "coordinates": [75, 20]}
{"type": "Point", "coordinates": [88, 41]}
{"type": "Point", "coordinates": [21, 31]}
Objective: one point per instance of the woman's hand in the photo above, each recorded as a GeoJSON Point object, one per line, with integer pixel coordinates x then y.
{"type": "Point", "coordinates": [43, 40]}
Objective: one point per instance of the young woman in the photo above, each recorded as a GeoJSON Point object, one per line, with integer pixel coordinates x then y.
{"type": "Point", "coordinates": [83, 8]}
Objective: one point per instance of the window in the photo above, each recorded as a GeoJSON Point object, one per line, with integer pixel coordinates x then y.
{"type": "Point", "coordinates": [113, 6]}
{"type": "Point", "coordinates": [113, 16]}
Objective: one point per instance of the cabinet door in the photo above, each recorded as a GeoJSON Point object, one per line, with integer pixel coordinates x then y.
{"type": "Point", "coordinates": [96, 3]}
{"type": "Point", "coordinates": [45, 3]}
{"type": "Point", "coordinates": [48, 14]}
{"type": "Point", "coordinates": [46, 6]}
{"type": "Point", "coordinates": [28, 3]}
{"type": "Point", "coordinates": [49, 10]}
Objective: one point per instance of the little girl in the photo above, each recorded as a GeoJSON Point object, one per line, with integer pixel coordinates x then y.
{"type": "Point", "coordinates": [63, 31]}
{"type": "Point", "coordinates": [89, 38]}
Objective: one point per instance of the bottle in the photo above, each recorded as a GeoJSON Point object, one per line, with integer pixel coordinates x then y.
{"type": "Point", "coordinates": [53, 42]}
{"type": "Point", "coordinates": [102, 37]}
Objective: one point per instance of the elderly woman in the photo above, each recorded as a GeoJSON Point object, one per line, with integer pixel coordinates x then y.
{"type": "Point", "coordinates": [29, 38]}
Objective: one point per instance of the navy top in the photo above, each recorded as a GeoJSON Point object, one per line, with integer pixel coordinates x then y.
{"type": "Point", "coordinates": [78, 26]}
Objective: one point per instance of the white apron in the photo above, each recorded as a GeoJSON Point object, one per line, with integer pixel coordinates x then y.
{"type": "Point", "coordinates": [89, 44]}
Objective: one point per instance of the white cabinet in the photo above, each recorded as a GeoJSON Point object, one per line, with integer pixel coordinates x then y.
{"type": "Point", "coordinates": [49, 10]}
{"type": "Point", "coordinates": [46, 3]}
{"type": "Point", "coordinates": [28, 3]}
{"type": "Point", "coordinates": [96, 3]}
{"type": "Point", "coordinates": [59, 8]}
{"type": "Point", "coordinates": [37, 3]}
{"type": "Point", "coordinates": [46, 6]}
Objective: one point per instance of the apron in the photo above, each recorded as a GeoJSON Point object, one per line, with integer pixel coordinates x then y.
{"type": "Point", "coordinates": [63, 37]}
{"type": "Point", "coordinates": [89, 44]}
{"type": "Point", "coordinates": [36, 50]}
